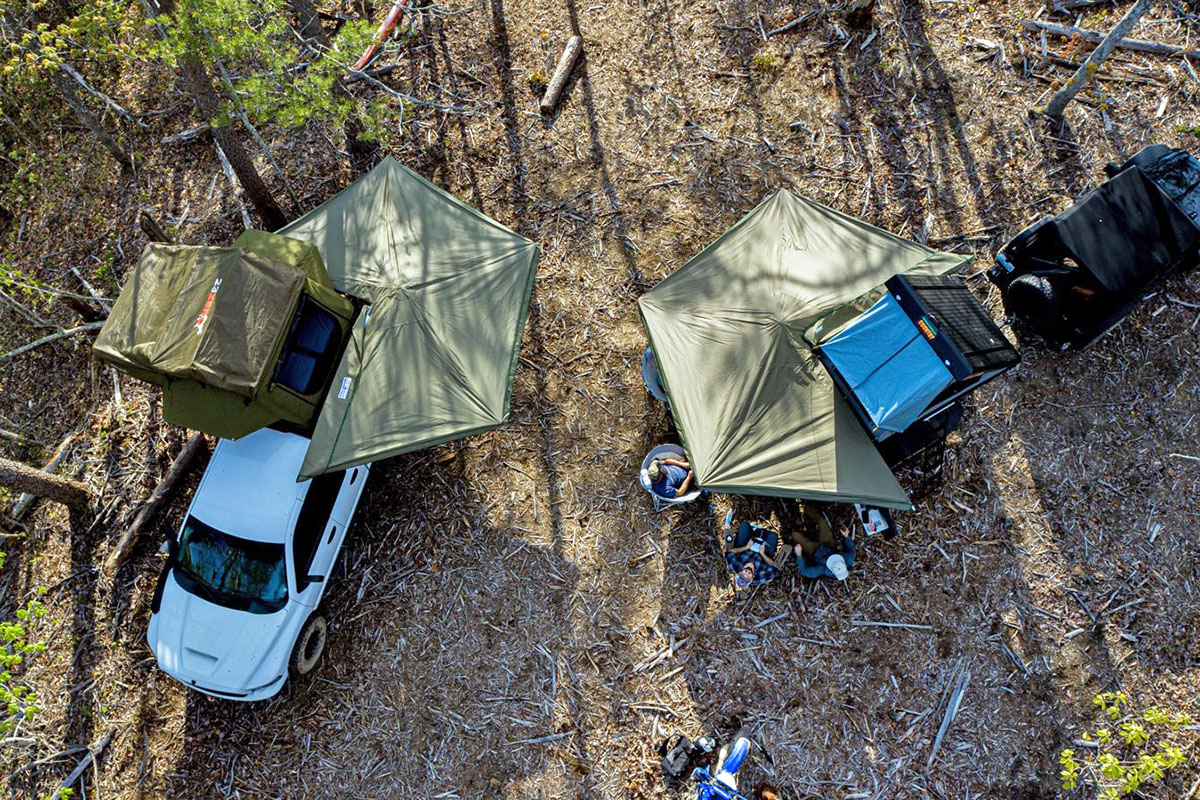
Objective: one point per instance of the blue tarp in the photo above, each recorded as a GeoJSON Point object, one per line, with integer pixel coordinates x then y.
{"type": "Point", "coordinates": [888, 365]}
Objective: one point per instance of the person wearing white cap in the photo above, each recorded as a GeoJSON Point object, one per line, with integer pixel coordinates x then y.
{"type": "Point", "coordinates": [828, 556]}
{"type": "Point", "coordinates": [827, 562]}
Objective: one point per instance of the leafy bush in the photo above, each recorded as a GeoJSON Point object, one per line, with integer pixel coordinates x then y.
{"type": "Point", "coordinates": [17, 699]}
{"type": "Point", "coordinates": [1129, 754]}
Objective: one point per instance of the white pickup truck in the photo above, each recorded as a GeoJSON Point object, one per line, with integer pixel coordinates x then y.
{"type": "Point", "coordinates": [235, 610]}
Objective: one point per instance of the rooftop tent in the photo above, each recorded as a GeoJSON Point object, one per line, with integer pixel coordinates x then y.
{"type": "Point", "coordinates": [923, 345]}
{"type": "Point", "coordinates": [888, 367]}
{"type": "Point", "coordinates": [209, 325]}
{"type": "Point", "coordinates": [202, 313]}
{"type": "Point", "coordinates": [733, 333]}
{"type": "Point", "coordinates": [434, 356]}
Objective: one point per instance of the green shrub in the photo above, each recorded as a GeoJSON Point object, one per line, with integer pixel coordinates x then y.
{"type": "Point", "coordinates": [1129, 754]}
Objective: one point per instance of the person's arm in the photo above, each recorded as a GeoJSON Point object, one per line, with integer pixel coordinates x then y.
{"type": "Point", "coordinates": [768, 559]}
{"type": "Point", "coordinates": [683, 487]}
{"type": "Point", "coordinates": [741, 549]}
{"type": "Point", "coordinates": [675, 462]}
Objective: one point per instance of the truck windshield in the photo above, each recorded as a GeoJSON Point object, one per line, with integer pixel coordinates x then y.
{"type": "Point", "coordinates": [233, 572]}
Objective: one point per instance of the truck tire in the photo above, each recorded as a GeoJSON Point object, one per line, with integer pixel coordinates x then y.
{"type": "Point", "coordinates": [309, 645]}
{"type": "Point", "coordinates": [1037, 301]}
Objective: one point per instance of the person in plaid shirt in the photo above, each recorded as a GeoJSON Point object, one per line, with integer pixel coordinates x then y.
{"type": "Point", "coordinates": [750, 555]}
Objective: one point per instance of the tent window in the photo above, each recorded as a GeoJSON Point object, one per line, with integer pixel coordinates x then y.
{"type": "Point", "coordinates": [311, 347]}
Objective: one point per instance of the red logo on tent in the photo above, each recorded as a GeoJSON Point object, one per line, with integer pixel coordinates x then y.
{"type": "Point", "coordinates": [203, 318]}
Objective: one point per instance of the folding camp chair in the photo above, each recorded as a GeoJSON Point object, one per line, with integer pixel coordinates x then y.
{"type": "Point", "coordinates": [664, 451]}
{"type": "Point", "coordinates": [651, 378]}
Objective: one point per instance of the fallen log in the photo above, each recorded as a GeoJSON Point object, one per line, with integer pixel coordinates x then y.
{"type": "Point", "coordinates": [73, 494]}
{"type": "Point", "coordinates": [154, 232]}
{"type": "Point", "coordinates": [87, 287]}
{"type": "Point", "coordinates": [1095, 59]}
{"type": "Point", "coordinates": [797, 22]}
{"type": "Point", "coordinates": [186, 135]}
{"type": "Point", "coordinates": [562, 74]}
{"type": "Point", "coordinates": [1136, 45]}
{"type": "Point", "coordinates": [93, 752]}
{"type": "Point", "coordinates": [366, 74]}
{"type": "Point", "coordinates": [13, 436]}
{"type": "Point", "coordinates": [25, 501]}
{"type": "Point", "coordinates": [1064, 6]}
{"type": "Point", "coordinates": [158, 498]}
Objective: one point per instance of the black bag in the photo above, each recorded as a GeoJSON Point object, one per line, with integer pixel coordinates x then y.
{"type": "Point", "coordinates": [677, 759]}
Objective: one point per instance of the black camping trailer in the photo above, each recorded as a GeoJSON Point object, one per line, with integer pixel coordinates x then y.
{"type": "Point", "coordinates": [1068, 279]}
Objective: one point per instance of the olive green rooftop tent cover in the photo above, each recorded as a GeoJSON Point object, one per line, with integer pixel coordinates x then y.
{"type": "Point", "coordinates": [733, 331]}
{"type": "Point", "coordinates": [434, 356]}
{"type": "Point", "coordinates": [207, 324]}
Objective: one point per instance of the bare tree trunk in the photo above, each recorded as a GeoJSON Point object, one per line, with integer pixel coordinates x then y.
{"type": "Point", "coordinates": [1088, 69]}
{"type": "Point", "coordinates": [66, 87]}
{"type": "Point", "coordinates": [208, 103]}
{"type": "Point", "coordinates": [318, 41]}
{"type": "Point", "coordinates": [72, 494]}
{"type": "Point", "coordinates": [154, 232]}
{"type": "Point", "coordinates": [310, 22]}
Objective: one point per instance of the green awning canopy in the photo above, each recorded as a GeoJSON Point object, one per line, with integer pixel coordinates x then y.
{"type": "Point", "coordinates": [434, 358]}
{"type": "Point", "coordinates": [732, 333]}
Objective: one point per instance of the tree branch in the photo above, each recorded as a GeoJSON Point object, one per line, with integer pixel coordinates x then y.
{"type": "Point", "coordinates": [54, 337]}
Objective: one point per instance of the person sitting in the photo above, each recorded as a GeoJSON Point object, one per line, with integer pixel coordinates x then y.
{"type": "Point", "coordinates": [825, 555]}
{"type": "Point", "coordinates": [827, 561]}
{"type": "Point", "coordinates": [670, 477]}
{"type": "Point", "coordinates": [751, 554]}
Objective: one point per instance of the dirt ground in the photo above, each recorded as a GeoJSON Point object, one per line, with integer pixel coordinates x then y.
{"type": "Point", "coordinates": [513, 619]}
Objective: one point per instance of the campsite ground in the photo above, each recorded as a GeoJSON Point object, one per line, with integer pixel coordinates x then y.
{"type": "Point", "coordinates": [513, 619]}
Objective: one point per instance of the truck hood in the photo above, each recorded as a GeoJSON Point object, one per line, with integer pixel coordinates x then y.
{"type": "Point", "coordinates": [211, 646]}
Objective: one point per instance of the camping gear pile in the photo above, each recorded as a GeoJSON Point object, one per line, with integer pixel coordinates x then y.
{"type": "Point", "coordinates": [712, 767]}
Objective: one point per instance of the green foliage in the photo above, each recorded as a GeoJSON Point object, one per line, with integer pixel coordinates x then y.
{"type": "Point", "coordinates": [764, 62]}
{"type": "Point", "coordinates": [1131, 759]}
{"type": "Point", "coordinates": [18, 283]}
{"type": "Point", "coordinates": [16, 644]}
{"type": "Point", "coordinates": [280, 79]}
{"type": "Point", "coordinates": [260, 62]}
{"type": "Point", "coordinates": [39, 36]}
